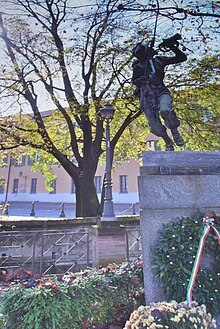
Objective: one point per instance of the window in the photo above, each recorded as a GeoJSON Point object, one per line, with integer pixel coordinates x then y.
{"type": "Point", "coordinates": [19, 162]}
{"type": "Point", "coordinates": [15, 186]}
{"type": "Point", "coordinates": [98, 183]}
{"type": "Point", "coordinates": [2, 186]}
{"type": "Point", "coordinates": [54, 187]}
{"type": "Point", "coordinates": [33, 186]}
{"type": "Point", "coordinates": [73, 188]}
{"type": "Point", "coordinates": [4, 162]}
{"type": "Point", "coordinates": [123, 183]}
{"type": "Point", "coordinates": [22, 160]}
{"type": "Point", "coordinates": [31, 160]}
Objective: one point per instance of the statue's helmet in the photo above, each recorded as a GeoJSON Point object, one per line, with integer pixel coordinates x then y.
{"type": "Point", "coordinates": [143, 50]}
{"type": "Point", "coordinates": [139, 50]}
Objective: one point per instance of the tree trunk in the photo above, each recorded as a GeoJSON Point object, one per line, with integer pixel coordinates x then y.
{"type": "Point", "coordinates": [87, 203]}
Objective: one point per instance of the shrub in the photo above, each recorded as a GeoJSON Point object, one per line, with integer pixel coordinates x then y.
{"type": "Point", "coordinates": [2, 321]}
{"type": "Point", "coordinates": [171, 316]}
{"type": "Point", "coordinates": [76, 300]}
{"type": "Point", "coordinates": [174, 257]}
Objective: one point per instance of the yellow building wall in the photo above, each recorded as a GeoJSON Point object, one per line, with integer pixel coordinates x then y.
{"type": "Point", "coordinates": [24, 174]}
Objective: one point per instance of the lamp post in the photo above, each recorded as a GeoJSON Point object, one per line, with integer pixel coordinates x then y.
{"type": "Point", "coordinates": [5, 208]}
{"type": "Point", "coordinates": [107, 113]}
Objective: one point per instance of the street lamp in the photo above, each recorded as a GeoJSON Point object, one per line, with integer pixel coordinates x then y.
{"type": "Point", "coordinates": [107, 113]}
{"type": "Point", "coordinates": [5, 208]}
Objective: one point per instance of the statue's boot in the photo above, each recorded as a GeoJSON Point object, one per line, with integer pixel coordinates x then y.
{"type": "Point", "coordinates": [177, 137]}
{"type": "Point", "coordinates": [172, 122]}
{"type": "Point", "coordinates": [168, 142]}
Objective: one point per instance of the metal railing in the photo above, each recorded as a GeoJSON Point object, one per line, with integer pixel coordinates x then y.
{"type": "Point", "coordinates": [133, 244]}
{"type": "Point", "coordinates": [56, 251]}
{"type": "Point", "coordinates": [45, 252]}
{"type": "Point", "coordinates": [67, 251]}
{"type": "Point", "coordinates": [17, 250]}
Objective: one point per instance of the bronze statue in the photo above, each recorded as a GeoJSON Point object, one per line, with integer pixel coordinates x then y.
{"type": "Point", "coordinates": [155, 98]}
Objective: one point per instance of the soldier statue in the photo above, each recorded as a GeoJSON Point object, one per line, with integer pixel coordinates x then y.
{"type": "Point", "coordinates": [155, 98]}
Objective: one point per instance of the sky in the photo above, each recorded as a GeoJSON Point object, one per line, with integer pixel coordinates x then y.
{"type": "Point", "coordinates": [167, 29]}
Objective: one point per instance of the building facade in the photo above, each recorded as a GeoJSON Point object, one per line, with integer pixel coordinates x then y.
{"type": "Point", "coordinates": [19, 183]}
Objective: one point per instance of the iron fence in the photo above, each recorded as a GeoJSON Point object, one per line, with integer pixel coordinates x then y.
{"type": "Point", "coordinates": [45, 252]}
{"type": "Point", "coordinates": [55, 251]}
{"type": "Point", "coordinates": [133, 244]}
{"type": "Point", "coordinates": [17, 250]}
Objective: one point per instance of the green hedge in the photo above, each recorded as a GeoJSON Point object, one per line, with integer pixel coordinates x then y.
{"type": "Point", "coordinates": [75, 301]}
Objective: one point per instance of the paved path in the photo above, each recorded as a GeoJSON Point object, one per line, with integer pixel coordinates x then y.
{"type": "Point", "coordinates": [52, 210]}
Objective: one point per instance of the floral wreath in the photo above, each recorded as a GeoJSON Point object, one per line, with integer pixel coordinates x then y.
{"type": "Point", "coordinates": [174, 256]}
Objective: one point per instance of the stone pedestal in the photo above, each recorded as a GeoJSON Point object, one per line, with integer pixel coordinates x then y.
{"type": "Point", "coordinates": [108, 244]}
{"type": "Point", "coordinates": [171, 185]}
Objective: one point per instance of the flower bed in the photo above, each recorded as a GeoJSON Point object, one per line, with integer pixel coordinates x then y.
{"type": "Point", "coordinates": [76, 300]}
{"type": "Point", "coordinates": [171, 316]}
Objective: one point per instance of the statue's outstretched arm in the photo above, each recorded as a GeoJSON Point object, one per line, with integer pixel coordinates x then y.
{"type": "Point", "coordinates": [178, 58]}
